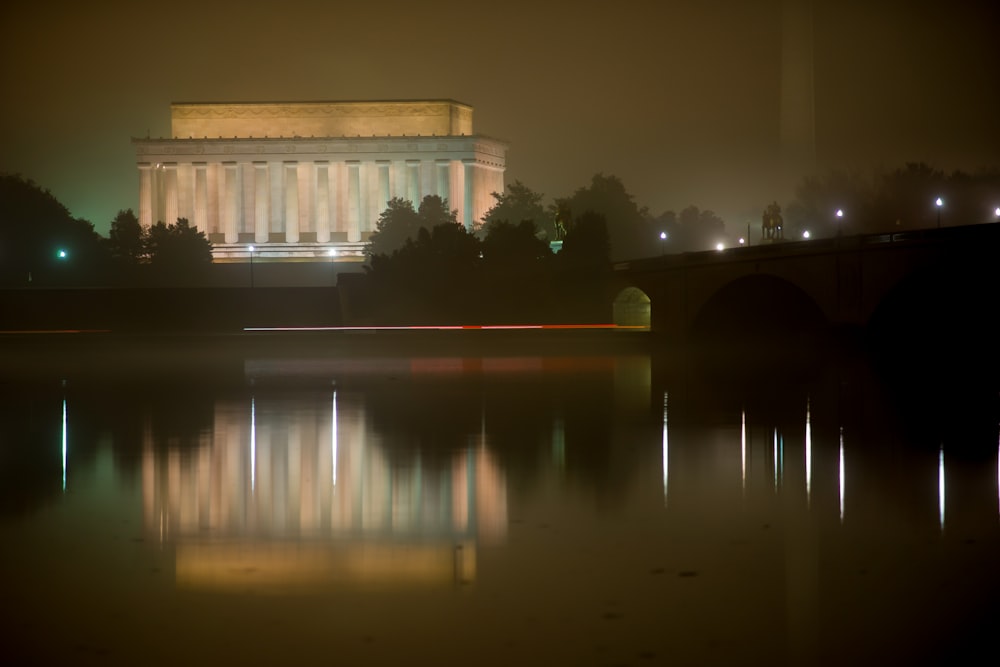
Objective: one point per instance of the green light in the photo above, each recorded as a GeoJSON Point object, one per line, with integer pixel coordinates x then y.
{"type": "Point", "coordinates": [62, 254]}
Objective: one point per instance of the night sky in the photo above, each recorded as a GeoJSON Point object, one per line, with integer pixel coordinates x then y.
{"type": "Point", "coordinates": [678, 99]}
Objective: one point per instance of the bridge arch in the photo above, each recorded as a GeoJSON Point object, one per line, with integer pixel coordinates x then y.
{"type": "Point", "coordinates": [632, 308]}
{"type": "Point", "coordinates": [758, 309]}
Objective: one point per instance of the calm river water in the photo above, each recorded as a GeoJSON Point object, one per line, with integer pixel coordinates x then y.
{"type": "Point", "coordinates": [293, 502]}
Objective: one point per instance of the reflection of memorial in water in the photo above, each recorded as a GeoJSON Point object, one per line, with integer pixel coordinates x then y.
{"type": "Point", "coordinates": [296, 489]}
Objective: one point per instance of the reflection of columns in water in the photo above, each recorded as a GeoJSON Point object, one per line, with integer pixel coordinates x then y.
{"type": "Point", "coordinates": [277, 473]}
{"type": "Point", "coordinates": [65, 445]}
{"type": "Point", "coordinates": [666, 451]}
{"type": "Point", "coordinates": [775, 454]}
{"type": "Point", "coordinates": [941, 487]}
{"type": "Point", "coordinates": [333, 440]}
{"type": "Point", "coordinates": [253, 446]}
{"type": "Point", "coordinates": [808, 456]}
{"type": "Point", "coordinates": [841, 474]}
{"type": "Point", "coordinates": [558, 443]}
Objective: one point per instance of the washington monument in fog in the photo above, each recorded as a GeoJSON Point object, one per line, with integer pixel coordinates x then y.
{"type": "Point", "coordinates": [797, 123]}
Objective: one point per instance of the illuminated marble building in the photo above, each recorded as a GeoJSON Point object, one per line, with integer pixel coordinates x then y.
{"type": "Point", "coordinates": [310, 179]}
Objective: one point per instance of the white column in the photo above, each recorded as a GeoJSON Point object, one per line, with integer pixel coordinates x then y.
{"type": "Point", "coordinates": [200, 220]}
{"type": "Point", "coordinates": [262, 202]}
{"type": "Point", "coordinates": [322, 202]}
{"type": "Point", "coordinates": [383, 189]}
{"type": "Point", "coordinates": [291, 202]}
{"type": "Point", "coordinates": [468, 201]}
{"type": "Point", "coordinates": [339, 199]}
{"type": "Point", "coordinates": [399, 179]}
{"type": "Point", "coordinates": [307, 196]}
{"type": "Point", "coordinates": [353, 201]}
{"type": "Point", "coordinates": [413, 182]}
{"type": "Point", "coordinates": [215, 187]}
{"type": "Point", "coordinates": [229, 202]}
{"type": "Point", "coordinates": [248, 198]}
{"type": "Point", "coordinates": [456, 185]}
{"type": "Point", "coordinates": [371, 200]}
{"type": "Point", "coordinates": [146, 195]}
{"type": "Point", "coordinates": [170, 193]}
{"type": "Point", "coordinates": [277, 178]}
{"type": "Point", "coordinates": [443, 181]}
{"type": "Point", "coordinates": [185, 192]}
{"type": "Point", "coordinates": [427, 174]}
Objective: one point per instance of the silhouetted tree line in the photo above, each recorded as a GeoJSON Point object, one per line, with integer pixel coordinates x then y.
{"type": "Point", "coordinates": [525, 261]}
{"type": "Point", "coordinates": [892, 200]}
{"type": "Point", "coordinates": [41, 243]}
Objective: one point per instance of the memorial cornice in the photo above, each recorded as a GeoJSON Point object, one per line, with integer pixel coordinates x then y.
{"type": "Point", "coordinates": [377, 108]}
{"type": "Point", "coordinates": [483, 148]}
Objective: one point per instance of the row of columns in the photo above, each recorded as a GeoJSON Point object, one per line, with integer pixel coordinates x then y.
{"type": "Point", "coordinates": [336, 200]}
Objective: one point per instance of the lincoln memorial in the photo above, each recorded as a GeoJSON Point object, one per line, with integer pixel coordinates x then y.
{"type": "Point", "coordinates": [299, 180]}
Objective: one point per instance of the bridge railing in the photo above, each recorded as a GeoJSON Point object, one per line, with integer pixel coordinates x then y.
{"type": "Point", "coordinates": [965, 234]}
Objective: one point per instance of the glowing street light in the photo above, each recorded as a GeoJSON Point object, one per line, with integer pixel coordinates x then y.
{"type": "Point", "coordinates": [805, 234]}
{"type": "Point", "coordinates": [996, 212]}
{"type": "Point", "coordinates": [840, 218]}
{"type": "Point", "coordinates": [62, 254]}
{"type": "Point", "coordinates": [720, 247]}
{"type": "Point", "coordinates": [939, 203]}
{"type": "Point", "coordinates": [663, 244]}
{"type": "Point", "coordinates": [742, 240]}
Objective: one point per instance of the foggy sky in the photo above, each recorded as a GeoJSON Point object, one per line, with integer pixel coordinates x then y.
{"type": "Point", "coordinates": [678, 99]}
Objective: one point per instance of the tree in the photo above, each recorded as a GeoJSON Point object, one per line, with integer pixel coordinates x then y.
{"type": "Point", "coordinates": [399, 223]}
{"type": "Point", "coordinates": [431, 278]}
{"type": "Point", "coordinates": [903, 198]}
{"type": "Point", "coordinates": [509, 247]}
{"type": "Point", "coordinates": [434, 211]}
{"type": "Point", "coordinates": [40, 241]}
{"type": "Point", "coordinates": [127, 239]}
{"type": "Point", "coordinates": [587, 244]}
{"type": "Point", "coordinates": [520, 204]}
{"type": "Point", "coordinates": [629, 227]}
{"type": "Point", "coordinates": [178, 247]}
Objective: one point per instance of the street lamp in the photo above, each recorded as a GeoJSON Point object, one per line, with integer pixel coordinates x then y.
{"type": "Point", "coordinates": [805, 234]}
{"type": "Point", "coordinates": [251, 249]}
{"type": "Point", "coordinates": [742, 240]}
{"type": "Point", "coordinates": [62, 254]}
{"type": "Point", "coordinates": [996, 212]}
{"type": "Point", "coordinates": [840, 220]}
{"type": "Point", "coordinates": [720, 247]}
{"type": "Point", "coordinates": [663, 245]}
{"type": "Point", "coordinates": [939, 203]}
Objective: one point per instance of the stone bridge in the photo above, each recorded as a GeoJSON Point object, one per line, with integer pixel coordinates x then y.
{"type": "Point", "coordinates": [937, 280]}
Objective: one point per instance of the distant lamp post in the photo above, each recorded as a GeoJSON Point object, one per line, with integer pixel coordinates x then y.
{"type": "Point", "coordinates": [663, 243]}
{"type": "Point", "coordinates": [742, 241]}
{"type": "Point", "coordinates": [996, 213]}
{"type": "Point", "coordinates": [840, 220]}
{"type": "Point", "coordinates": [62, 254]}
{"type": "Point", "coordinates": [251, 249]}
{"type": "Point", "coordinates": [720, 247]}
{"type": "Point", "coordinates": [939, 203]}
{"type": "Point", "coordinates": [805, 234]}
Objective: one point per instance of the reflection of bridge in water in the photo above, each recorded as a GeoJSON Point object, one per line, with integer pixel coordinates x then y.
{"type": "Point", "coordinates": [846, 281]}
{"type": "Point", "coordinates": [296, 490]}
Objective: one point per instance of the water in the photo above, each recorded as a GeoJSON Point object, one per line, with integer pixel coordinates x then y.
{"type": "Point", "coordinates": [165, 503]}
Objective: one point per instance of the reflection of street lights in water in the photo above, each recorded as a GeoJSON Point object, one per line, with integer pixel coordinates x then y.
{"type": "Point", "coordinates": [251, 249]}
